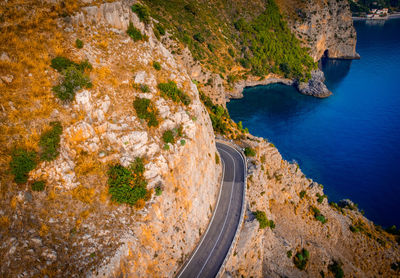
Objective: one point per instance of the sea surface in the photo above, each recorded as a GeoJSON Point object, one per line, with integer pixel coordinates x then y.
{"type": "Point", "coordinates": [349, 142]}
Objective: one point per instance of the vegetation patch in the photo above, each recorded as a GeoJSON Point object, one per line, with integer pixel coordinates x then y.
{"type": "Point", "coordinates": [38, 185]}
{"type": "Point", "coordinates": [263, 220]}
{"type": "Point", "coordinates": [79, 43]}
{"type": "Point", "coordinates": [158, 191]}
{"type": "Point", "coordinates": [336, 268]}
{"type": "Point", "coordinates": [50, 142]}
{"type": "Point", "coordinates": [168, 137]}
{"type": "Point", "coordinates": [318, 216]}
{"type": "Point", "coordinates": [217, 159]}
{"type": "Point", "coordinates": [135, 33]}
{"type": "Point", "coordinates": [127, 184]}
{"type": "Point", "coordinates": [146, 110]}
{"type": "Point", "coordinates": [320, 198]}
{"type": "Point", "coordinates": [22, 162]}
{"type": "Point", "coordinates": [248, 151]}
{"type": "Point", "coordinates": [156, 65]}
{"type": "Point", "coordinates": [218, 115]}
{"type": "Point", "coordinates": [142, 12]}
{"type": "Point", "coordinates": [158, 30]}
{"type": "Point", "coordinates": [74, 77]}
{"type": "Point", "coordinates": [171, 91]}
{"type": "Point", "coordinates": [302, 194]}
{"type": "Point", "coordinates": [301, 258]}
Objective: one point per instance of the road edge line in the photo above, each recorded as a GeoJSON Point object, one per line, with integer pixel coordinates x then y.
{"type": "Point", "coordinates": [209, 223]}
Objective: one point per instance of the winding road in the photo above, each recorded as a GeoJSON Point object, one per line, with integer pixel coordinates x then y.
{"type": "Point", "coordinates": [214, 245]}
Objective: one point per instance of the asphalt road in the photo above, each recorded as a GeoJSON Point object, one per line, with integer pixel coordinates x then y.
{"type": "Point", "coordinates": [209, 255]}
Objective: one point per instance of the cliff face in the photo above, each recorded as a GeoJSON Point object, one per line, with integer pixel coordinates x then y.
{"type": "Point", "coordinates": [326, 27]}
{"type": "Point", "coordinates": [336, 234]}
{"type": "Point", "coordinates": [72, 228]}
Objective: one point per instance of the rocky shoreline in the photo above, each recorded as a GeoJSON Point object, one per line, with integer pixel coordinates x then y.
{"type": "Point", "coordinates": [314, 87]}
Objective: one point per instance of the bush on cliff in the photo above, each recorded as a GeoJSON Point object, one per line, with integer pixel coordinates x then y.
{"type": "Point", "coordinates": [336, 268]}
{"type": "Point", "coordinates": [127, 184]}
{"type": "Point", "coordinates": [22, 162]}
{"type": "Point", "coordinates": [142, 12]}
{"type": "Point", "coordinates": [301, 258]}
{"type": "Point", "coordinates": [135, 33]}
{"type": "Point", "coordinates": [218, 115]}
{"type": "Point", "coordinates": [50, 142]}
{"type": "Point", "coordinates": [248, 151]}
{"type": "Point", "coordinates": [74, 77]}
{"type": "Point", "coordinates": [170, 90]}
{"type": "Point", "coordinates": [146, 110]}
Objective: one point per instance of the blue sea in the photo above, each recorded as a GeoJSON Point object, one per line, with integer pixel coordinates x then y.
{"type": "Point", "coordinates": [349, 142]}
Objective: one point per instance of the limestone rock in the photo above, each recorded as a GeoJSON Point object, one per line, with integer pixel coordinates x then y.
{"type": "Point", "coordinates": [315, 86]}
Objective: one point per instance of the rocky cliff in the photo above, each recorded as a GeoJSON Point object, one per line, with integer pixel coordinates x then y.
{"type": "Point", "coordinates": [326, 27]}
{"type": "Point", "coordinates": [72, 228]}
{"type": "Point", "coordinates": [302, 218]}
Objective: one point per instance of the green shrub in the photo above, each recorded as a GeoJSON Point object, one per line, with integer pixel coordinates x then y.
{"type": "Point", "coordinates": [144, 88]}
{"type": "Point", "coordinates": [183, 142]}
{"type": "Point", "coordinates": [135, 33]}
{"type": "Point", "coordinates": [318, 216]}
{"type": "Point", "coordinates": [128, 185]}
{"type": "Point", "coordinates": [301, 258]}
{"type": "Point", "coordinates": [50, 142]}
{"type": "Point", "coordinates": [38, 185]}
{"type": "Point", "coordinates": [156, 65]}
{"type": "Point", "coordinates": [269, 46]}
{"type": "Point", "coordinates": [158, 190]}
{"type": "Point", "coordinates": [248, 151]}
{"type": "Point", "coordinates": [166, 147]}
{"type": "Point", "coordinates": [231, 52]}
{"type": "Point", "coordinates": [142, 12]}
{"type": "Point", "coordinates": [320, 198]}
{"type": "Point", "coordinates": [146, 110]}
{"type": "Point", "coordinates": [61, 63]}
{"type": "Point", "coordinates": [289, 254]}
{"type": "Point", "coordinates": [199, 37]}
{"type": "Point", "coordinates": [168, 137]}
{"type": "Point", "coordinates": [74, 80]}
{"type": "Point", "coordinates": [261, 218]}
{"type": "Point", "coordinates": [171, 91]}
{"type": "Point", "coordinates": [302, 194]}
{"type": "Point", "coordinates": [336, 268]}
{"type": "Point", "coordinates": [218, 114]}
{"type": "Point", "coordinates": [160, 29]}
{"type": "Point", "coordinates": [79, 43]}
{"type": "Point", "coordinates": [22, 162]}
{"type": "Point", "coordinates": [217, 160]}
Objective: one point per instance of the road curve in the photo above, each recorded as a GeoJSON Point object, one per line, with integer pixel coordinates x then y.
{"type": "Point", "coordinates": [214, 245]}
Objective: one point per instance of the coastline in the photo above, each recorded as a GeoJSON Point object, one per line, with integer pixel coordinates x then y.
{"type": "Point", "coordinates": [391, 16]}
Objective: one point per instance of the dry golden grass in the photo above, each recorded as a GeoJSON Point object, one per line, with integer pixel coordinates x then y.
{"type": "Point", "coordinates": [83, 194]}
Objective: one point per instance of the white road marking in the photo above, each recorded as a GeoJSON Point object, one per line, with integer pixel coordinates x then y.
{"type": "Point", "coordinates": [208, 228]}
{"type": "Point", "coordinates": [226, 216]}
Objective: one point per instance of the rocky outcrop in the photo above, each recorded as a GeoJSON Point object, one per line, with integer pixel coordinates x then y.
{"type": "Point", "coordinates": [315, 86]}
{"type": "Point", "coordinates": [72, 228]}
{"type": "Point", "coordinates": [290, 200]}
{"type": "Point", "coordinates": [326, 27]}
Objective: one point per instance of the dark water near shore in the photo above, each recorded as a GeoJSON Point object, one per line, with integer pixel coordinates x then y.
{"type": "Point", "coordinates": [349, 142]}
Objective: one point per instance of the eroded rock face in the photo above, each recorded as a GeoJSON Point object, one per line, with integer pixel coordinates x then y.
{"type": "Point", "coordinates": [315, 86]}
{"type": "Point", "coordinates": [326, 27]}
{"type": "Point", "coordinates": [282, 191]}
{"type": "Point", "coordinates": [72, 228]}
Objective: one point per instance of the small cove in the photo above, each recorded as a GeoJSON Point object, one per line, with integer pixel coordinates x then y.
{"type": "Point", "coordinates": [348, 142]}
